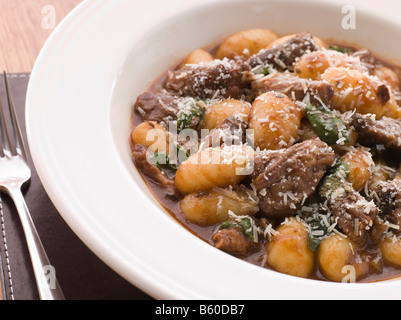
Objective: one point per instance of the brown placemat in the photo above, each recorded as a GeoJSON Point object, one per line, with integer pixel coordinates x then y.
{"type": "Point", "coordinates": [81, 274]}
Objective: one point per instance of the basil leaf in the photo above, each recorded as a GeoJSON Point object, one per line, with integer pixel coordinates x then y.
{"type": "Point", "coordinates": [313, 243]}
{"type": "Point", "coordinates": [328, 126]}
{"type": "Point", "coordinates": [340, 49]}
{"type": "Point", "coordinates": [191, 114]}
{"type": "Point", "coordinates": [336, 178]}
{"type": "Point", "coordinates": [162, 161]}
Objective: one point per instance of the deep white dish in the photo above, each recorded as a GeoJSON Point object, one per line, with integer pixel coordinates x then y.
{"type": "Point", "coordinates": [81, 91]}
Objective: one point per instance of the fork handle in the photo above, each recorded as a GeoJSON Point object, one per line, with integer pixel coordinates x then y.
{"type": "Point", "coordinates": [44, 272]}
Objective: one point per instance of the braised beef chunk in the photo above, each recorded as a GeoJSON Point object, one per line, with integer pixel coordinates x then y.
{"type": "Point", "coordinates": [231, 131]}
{"type": "Point", "coordinates": [367, 59]}
{"type": "Point", "coordinates": [285, 178]}
{"type": "Point", "coordinates": [217, 79]}
{"type": "Point", "coordinates": [156, 106]}
{"type": "Point", "coordinates": [233, 241]}
{"type": "Point", "coordinates": [282, 57]}
{"type": "Point", "coordinates": [385, 131]}
{"type": "Point", "coordinates": [377, 231]}
{"type": "Point", "coordinates": [387, 196]}
{"type": "Point", "coordinates": [294, 87]}
{"type": "Point", "coordinates": [383, 93]}
{"type": "Point", "coordinates": [153, 172]}
{"type": "Point", "coordinates": [355, 215]}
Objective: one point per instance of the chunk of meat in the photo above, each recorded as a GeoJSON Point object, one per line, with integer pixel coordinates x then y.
{"type": "Point", "coordinates": [230, 131]}
{"type": "Point", "coordinates": [354, 215]}
{"type": "Point", "coordinates": [217, 79]}
{"type": "Point", "coordinates": [285, 178]}
{"type": "Point", "coordinates": [283, 56]}
{"type": "Point", "coordinates": [151, 170]}
{"type": "Point", "coordinates": [367, 59]}
{"type": "Point", "coordinates": [156, 106]}
{"type": "Point", "coordinates": [233, 241]}
{"type": "Point", "coordinates": [387, 196]}
{"type": "Point", "coordinates": [385, 131]}
{"type": "Point", "coordinates": [377, 231]}
{"type": "Point", "coordinates": [294, 87]}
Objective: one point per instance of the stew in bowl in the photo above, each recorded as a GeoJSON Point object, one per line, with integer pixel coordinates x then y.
{"type": "Point", "coordinates": [282, 151]}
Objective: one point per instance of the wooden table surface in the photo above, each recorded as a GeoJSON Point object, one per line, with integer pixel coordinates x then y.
{"type": "Point", "coordinates": [24, 27]}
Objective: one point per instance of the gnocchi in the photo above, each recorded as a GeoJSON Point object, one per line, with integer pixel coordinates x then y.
{"type": "Point", "coordinates": [319, 42]}
{"type": "Point", "coordinates": [197, 56]}
{"type": "Point", "coordinates": [336, 259]}
{"type": "Point", "coordinates": [360, 164]}
{"type": "Point", "coordinates": [213, 206]}
{"type": "Point", "coordinates": [151, 135]}
{"type": "Point", "coordinates": [217, 112]}
{"type": "Point", "coordinates": [388, 76]}
{"type": "Point", "coordinates": [288, 251]}
{"type": "Point", "coordinates": [313, 65]}
{"type": "Point", "coordinates": [354, 90]}
{"type": "Point", "coordinates": [275, 120]}
{"type": "Point", "coordinates": [392, 109]}
{"type": "Point", "coordinates": [245, 43]}
{"type": "Point", "coordinates": [391, 250]}
{"type": "Point", "coordinates": [213, 167]}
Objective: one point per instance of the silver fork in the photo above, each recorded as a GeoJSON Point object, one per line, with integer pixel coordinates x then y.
{"type": "Point", "coordinates": [14, 173]}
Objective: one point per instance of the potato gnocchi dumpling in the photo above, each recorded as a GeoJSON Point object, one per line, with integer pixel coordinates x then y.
{"type": "Point", "coordinates": [197, 56]}
{"type": "Point", "coordinates": [392, 109]}
{"type": "Point", "coordinates": [360, 165]}
{"type": "Point", "coordinates": [391, 250]}
{"type": "Point", "coordinates": [213, 167]}
{"type": "Point", "coordinates": [354, 90]}
{"type": "Point", "coordinates": [313, 65]}
{"type": "Point", "coordinates": [288, 252]}
{"type": "Point", "coordinates": [336, 258]}
{"type": "Point", "coordinates": [275, 120]}
{"type": "Point", "coordinates": [217, 112]}
{"type": "Point", "coordinates": [388, 76]}
{"type": "Point", "coordinates": [213, 206]}
{"type": "Point", "coordinates": [245, 43]}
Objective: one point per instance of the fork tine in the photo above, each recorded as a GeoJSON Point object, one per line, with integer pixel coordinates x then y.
{"type": "Point", "coordinates": [4, 134]}
{"type": "Point", "coordinates": [19, 143]}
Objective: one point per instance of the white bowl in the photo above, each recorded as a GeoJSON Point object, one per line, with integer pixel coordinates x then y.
{"type": "Point", "coordinates": [79, 103]}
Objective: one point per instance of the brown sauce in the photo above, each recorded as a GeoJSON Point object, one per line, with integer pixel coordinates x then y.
{"type": "Point", "coordinates": [205, 233]}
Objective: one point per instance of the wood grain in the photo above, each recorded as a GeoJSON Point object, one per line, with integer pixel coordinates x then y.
{"type": "Point", "coordinates": [24, 27]}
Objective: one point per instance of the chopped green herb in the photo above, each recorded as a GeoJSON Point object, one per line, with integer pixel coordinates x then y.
{"type": "Point", "coordinates": [262, 69]}
{"type": "Point", "coordinates": [162, 161]}
{"type": "Point", "coordinates": [340, 49]}
{"type": "Point", "coordinates": [182, 153]}
{"type": "Point", "coordinates": [328, 126]}
{"type": "Point", "coordinates": [191, 114]}
{"type": "Point", "coordinates": [320, 225]}
{"type": "Point", "coordinates": [228, 224]}
{"type": "Point", "coordinates": [336, 178]}
{"type": "Point", "coordinates": [313, 243]}
{"type": "Point", "coordinates": [246, 224]}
